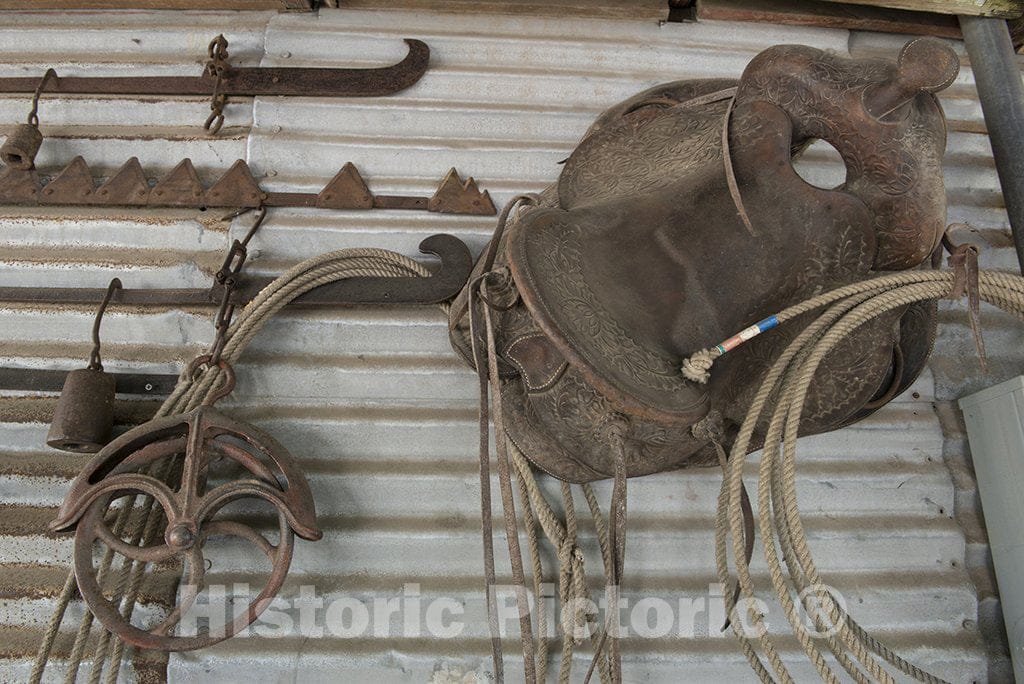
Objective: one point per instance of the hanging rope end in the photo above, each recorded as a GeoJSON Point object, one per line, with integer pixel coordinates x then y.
{"type": "Point", "coordinates": [697, 367]}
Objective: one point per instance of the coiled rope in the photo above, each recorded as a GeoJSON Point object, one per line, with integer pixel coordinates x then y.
{"type": "Point", "coordinates": [782, 397]}
{"type": "Point", "coordinates": [139, 520]}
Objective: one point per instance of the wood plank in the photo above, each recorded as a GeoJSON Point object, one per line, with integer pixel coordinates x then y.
{"type": "Point", "coordinates": [1017, 34]}
{"type": "Point", "coordinates": [605, 9]}
{"type": "Point", "coordinates": [283, 5]}
{"type": "Point", "coordinates": [844, 16]}
{"type": "Point", "coordinates": [1008, 9]}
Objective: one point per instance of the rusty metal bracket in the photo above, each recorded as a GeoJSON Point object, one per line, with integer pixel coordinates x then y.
{"type": "Point", "coordinates": [237, 188]}
{"type": "Point", "coordinates": [246, 81]}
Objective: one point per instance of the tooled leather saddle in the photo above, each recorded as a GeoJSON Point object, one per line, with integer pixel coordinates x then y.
{"type": "Point", "coordinates": [678, 220]}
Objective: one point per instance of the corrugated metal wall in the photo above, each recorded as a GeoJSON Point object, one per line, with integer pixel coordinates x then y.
{"type": "Point", "coordinates": [373, 403]}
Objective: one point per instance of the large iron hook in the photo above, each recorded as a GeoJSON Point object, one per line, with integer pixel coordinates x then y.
{"type": "Point", "coordinates": [95, 363]}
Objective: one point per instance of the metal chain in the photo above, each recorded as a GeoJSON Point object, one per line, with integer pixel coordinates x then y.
{"type": "Point", "coordinates": [216, 66]}
{"type": "Point", "coordinates": [227, 278]}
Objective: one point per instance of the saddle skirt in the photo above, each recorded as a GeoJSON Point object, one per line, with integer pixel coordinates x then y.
{"type": "Point", "coordinates": [677, 221]}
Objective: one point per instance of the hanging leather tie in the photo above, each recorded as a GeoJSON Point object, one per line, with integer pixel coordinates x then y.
{"type": "Point", "coordinates": [22, 144]}
{"type": "Point", "coordinates": [711, 429]}
{"type": "Point", "coordinates": [963, 259]}
{"type": "Point", "coordinates": [482, 300]}
{"type": "Point", "coordinates": [84, 416]}
{"type": "Point", "coordinates": [614, 431]}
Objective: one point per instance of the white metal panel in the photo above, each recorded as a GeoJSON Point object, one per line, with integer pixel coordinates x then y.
{"type": "Point", "coordinates": [372, 402]}
{"type": "Point", "coordinates": [995, 423]}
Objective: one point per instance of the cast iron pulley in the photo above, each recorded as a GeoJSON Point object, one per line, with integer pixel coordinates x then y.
{"type": "Point", "coordinates": [187, 446]}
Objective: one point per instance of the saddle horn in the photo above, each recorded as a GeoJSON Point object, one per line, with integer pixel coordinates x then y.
{"type": "Point", "coordinates": [924, 65]}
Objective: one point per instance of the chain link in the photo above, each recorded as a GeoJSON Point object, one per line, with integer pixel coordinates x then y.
{"type": "Point", "coordinates": [227, 278]}
{"type": "Point", "coordinates": [216, 67]}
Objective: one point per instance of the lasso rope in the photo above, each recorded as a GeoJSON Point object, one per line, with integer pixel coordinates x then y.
{"type": "Point", "coordinates": [782, 395]}
{"type": "Point", "coordinates": [573, 592]}
{"type": "Point", "coordinates": [189, 393]}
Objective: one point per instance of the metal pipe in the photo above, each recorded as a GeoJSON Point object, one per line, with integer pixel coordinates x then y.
{"type": "Point", "coordinates": [998, 80]}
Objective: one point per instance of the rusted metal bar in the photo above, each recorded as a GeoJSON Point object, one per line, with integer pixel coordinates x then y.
{"type": "Point", "coordinates": [47, 380]}
{"type": "Point", "coordinates": [400, 202]}
{"type": "Point", "coordinates": [442, 285]}
{"type": "Point", "coordinates": [246, 81]}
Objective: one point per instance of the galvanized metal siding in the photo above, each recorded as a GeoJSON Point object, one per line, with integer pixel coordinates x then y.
{"type": "Point", "coordinates": [373, 403]}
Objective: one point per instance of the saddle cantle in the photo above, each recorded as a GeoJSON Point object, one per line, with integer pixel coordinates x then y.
{"type": "Point", "coordinates": [678, 220]}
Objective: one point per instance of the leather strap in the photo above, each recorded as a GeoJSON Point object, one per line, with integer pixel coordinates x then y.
{"type": "Point", "coordinates": [487, 372]}
{"type": "Point", "coordinates": [491, 254]}
{"type": "Point", "coordinates": [748, 522]}
{"type": "Point", "coordinates": [964, 261]}
{"type": "Point", "coordinates": [614, 432]}
{"type": "Point", "coordinates": [730, 173]}
{"type": "Point", "coordinates": [711, 429]}
{"type": "Point", "coordinates": [477, 337]}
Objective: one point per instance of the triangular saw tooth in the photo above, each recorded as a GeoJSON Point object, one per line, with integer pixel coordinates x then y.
{"type": "Point", "coordinates": [19, 186]}
{"type": "Point", "coordinates": [180, 188]}
{"type": "Point", "coordinates": [126, 187]}
{"type": "Point", "coordinates": [73, 185]}
{"type": "Point", "coordinates": [236, 188]}
{"type": "Point", "coordinates": [455, 196]}
{"type": "Point", "coordinates": [347, 190]}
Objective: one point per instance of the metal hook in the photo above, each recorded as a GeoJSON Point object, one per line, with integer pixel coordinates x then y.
{"type": "Point", "coordinates": [218, 48]}
{"type": "Point", "coordinates": [95, 363]}
{"type": "Point", "coordinates": [261, 213]}
{"type": "Point", "coordinates": [33, 115]}
{"type": "Point", "coordinates": [235, 259]}
{"type": "Point", "coordinates": [214, 122]}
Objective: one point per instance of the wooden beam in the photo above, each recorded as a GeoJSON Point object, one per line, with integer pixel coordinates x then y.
{"type": "Point", "coordinates": [830, 15]}
{"type": "Point", "coordinates": [602, 9]}
{"type": "Point", "coordinates": [1007, 9]}
{"type": "Point", "coordinates": [281, 5]}
{"type": "Point", "coordinates": [1017, 33]}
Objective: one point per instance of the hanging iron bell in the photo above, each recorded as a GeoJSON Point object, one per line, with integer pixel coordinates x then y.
{"type": "Point", "coordinates": [22, 144]}
{"type": "Point", "coordinates": [84, 417]}
{"type": "Point", "coordinates": [20, 148]}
